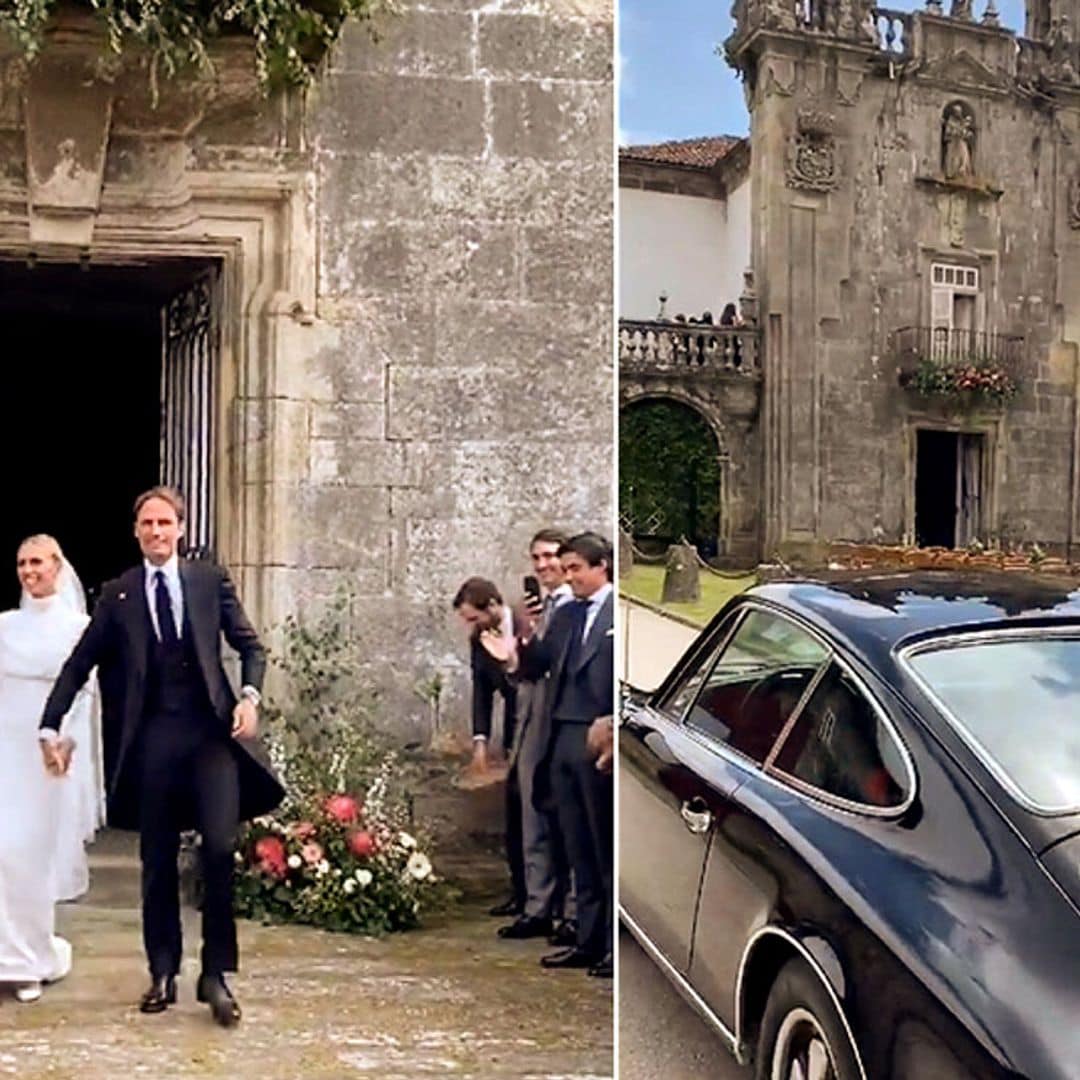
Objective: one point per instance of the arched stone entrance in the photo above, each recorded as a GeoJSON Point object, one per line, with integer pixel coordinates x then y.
{"type": "Point", "coordinates": [730, 415]}
{"type": "Point", "coordinates": [673, 471]}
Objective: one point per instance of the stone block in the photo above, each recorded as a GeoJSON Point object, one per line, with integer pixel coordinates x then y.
{"type": "Point", "coordinates": [345, 528]}
{"type": "Point", "coordinates": [412, 42]}
{"type": "Point", "coordinates": [553, 121]}
{"type": "Point", "coordinates": [348, 420]}
{"type": "Point", "coordinates": [395, 258]}
{"type": "Point", "coordinates": [568, 265]}
{"type": "Point", "coordinates": [372, 186]}
{"type": "Point", "coordinates": [398, 114]}
{"type": "Point", "coordinates": [375, 331]}
{"type": "Point", "coordinates": [539, 46]}
{"type": "Point", "coordinates": [524, 190]}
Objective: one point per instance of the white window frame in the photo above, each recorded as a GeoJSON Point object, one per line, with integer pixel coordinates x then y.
{"type": "Point", "coordinates": [947, 281]}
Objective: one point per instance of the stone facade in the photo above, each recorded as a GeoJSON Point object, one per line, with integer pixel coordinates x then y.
{"type": "Point", "coordinates": [416, 359]}
{"type": "Point", "coordinates": [914, 185]}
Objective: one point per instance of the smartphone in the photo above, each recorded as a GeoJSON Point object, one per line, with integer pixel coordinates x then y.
{"type": "Point", "coordinates": [531, 586]}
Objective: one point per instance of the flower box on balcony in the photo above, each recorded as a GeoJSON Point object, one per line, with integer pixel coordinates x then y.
{"type": "Point", "coordinates": [967, 384]}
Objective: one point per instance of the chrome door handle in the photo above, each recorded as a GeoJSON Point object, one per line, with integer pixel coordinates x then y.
{"type": "Point", "coordinates": [697, 821]}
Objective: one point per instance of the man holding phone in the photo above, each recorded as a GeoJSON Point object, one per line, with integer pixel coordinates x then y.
{"type": "Point", "coordinates": [545, 864]}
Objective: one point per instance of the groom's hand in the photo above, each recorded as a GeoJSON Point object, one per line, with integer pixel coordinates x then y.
{"type": "Point", "coordinates": [245, 719]}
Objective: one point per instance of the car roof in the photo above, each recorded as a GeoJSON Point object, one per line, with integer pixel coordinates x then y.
{"type": "Point", "coordinates": [875, 613]}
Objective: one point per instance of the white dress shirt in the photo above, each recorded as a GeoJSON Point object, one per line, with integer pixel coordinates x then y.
{"type": "Point", "coordinates": [596, 602]}
{"type": "Point", "coordinates": [171, 570]}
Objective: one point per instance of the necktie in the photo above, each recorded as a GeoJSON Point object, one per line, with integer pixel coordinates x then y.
{"type": "Point", "coordinates": [163, 607]}
{"type": "Point", "coordinates": [577, 633]}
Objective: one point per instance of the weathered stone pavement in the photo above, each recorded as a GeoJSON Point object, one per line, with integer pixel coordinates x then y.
{"type": "Point", "coordinates": [448, 1000]}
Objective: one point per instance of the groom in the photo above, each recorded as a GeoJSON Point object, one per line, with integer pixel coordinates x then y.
{"type": "Point", "coordinates": [180, 749]}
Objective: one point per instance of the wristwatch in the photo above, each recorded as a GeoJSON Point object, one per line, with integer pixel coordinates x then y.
{"type": "Point", "coordinates": [252, 695]}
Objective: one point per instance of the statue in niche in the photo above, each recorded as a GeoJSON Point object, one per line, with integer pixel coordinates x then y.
{"type": "Point", "coordinates": [1060, 41]}
{"type": "Point", "coordinates": [958, 143]}
{"type": "Point", "coordinates": [1073, 202]}
{"type": "Point", "coordinates": [961, 9]}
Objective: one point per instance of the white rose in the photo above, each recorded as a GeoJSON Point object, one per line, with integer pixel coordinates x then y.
{"type": "Point", "coordinates": [295, 862]}
{"type": "Point", "coordinates": [364, 877]}
{"type": "Point", "coordinates": [406, 841]}
{"type": "Point", "coordinates": [419, 865]}
{"type": "Point", "coordinates": [237, 857]}
{"type": "Point", "coordinates": [322, 868]}
{"type": "Point", "coordinates": [349, 886]}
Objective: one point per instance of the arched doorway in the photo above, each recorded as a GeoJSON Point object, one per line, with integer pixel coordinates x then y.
{"type": "Point", "coordinates": [671, 476]}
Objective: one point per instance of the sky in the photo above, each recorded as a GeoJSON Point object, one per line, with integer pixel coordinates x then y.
{"type": "Point", "coordinates": [672, 83]}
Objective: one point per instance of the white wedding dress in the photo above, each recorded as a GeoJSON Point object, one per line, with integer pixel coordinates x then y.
{"type": "Point", "coordinates": [45, 821]}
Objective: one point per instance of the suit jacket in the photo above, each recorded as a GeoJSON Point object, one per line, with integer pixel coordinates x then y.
{"type": "Point", "coordinates": [118, 641]}
{"type": "Point", "coordinates": [489, 679]}
{"type": "Point", "coordinates": [549, 656]}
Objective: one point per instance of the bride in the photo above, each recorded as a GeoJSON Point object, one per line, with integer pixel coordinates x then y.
{"type": "Point", "coordinates": [45, 819]}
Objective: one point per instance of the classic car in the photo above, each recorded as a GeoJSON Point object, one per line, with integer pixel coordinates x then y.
{"type": "Point", "coordinates": [849, 824]}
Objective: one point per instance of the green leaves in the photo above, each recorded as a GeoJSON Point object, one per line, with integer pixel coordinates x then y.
{"type": "Point", "coordinates": [290, 36]}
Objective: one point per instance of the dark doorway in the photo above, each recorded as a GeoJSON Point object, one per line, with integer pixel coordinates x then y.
{"type": "Point", "coordinates": [82, 431]}
{"type": "Point", "coordinates": [948, 488]}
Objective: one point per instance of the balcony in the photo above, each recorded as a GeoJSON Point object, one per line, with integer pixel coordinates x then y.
{"type": "Point", "coordinates": [965, 368]}
{"type": "Point", "coordinates": [688, 349]}
{"type": "Point", "coordinates": [914, 344]}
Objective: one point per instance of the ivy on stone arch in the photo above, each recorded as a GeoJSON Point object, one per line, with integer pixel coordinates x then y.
{"type": "Point", "coordinates": [290, 36]}
{"type": "Point", "coordinates": [669, 473]}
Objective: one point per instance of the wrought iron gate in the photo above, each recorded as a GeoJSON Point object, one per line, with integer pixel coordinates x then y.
{"type": "Point", "coordinates": [191, 346]}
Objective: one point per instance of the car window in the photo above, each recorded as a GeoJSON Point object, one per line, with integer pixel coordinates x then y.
{"type": "Point", "coordinates": [677, 699]}
{"type": "Point", "coordinates": [1015, 700]}
{"type": "Point", "coordinates": [753, 688]}
{"type": "Point", "coordinates": [840, 745]}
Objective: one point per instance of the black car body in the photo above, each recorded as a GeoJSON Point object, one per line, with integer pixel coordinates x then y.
{"type": "Point", "coordinates": [811, 812]}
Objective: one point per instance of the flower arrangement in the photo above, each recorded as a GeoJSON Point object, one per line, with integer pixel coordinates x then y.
{"type": "Point", "coordinates": [342, 852]}
{"type": "Point", "coordinates": [339, 863]}
{"type": "Point", "coordinates": [988, 381]}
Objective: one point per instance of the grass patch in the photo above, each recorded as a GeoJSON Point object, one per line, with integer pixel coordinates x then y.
{"type": "Point", "coordinates": [647, 583]}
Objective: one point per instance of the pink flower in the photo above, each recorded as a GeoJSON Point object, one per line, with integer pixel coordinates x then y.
{"type": "Point", "coordinates": [270, 853]}
{"type": "Point", "coordinates": [342, 808]}
{"type": "Point", "coordinates": [311, 853]}
{"type": "Point", "coordinates": [302, 830]}
{"type": "Point", "coordinates": [362, 844]}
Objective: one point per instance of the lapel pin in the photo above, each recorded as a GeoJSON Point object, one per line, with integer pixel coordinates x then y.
{"type": "Point", "coordinates": [123, 596]}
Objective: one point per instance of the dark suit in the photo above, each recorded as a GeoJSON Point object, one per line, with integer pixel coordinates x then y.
{"type": "Point", "coordinates": [581, 687]}
{"type": "Point", "coordinates": [489, 679]}
{"type": "Point", "coordinates": [171, 762]}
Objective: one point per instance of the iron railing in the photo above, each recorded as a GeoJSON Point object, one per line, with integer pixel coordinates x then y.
{"type": "Point", "coordinates": [913, 344]}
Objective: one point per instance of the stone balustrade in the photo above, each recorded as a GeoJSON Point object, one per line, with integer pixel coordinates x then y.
{"type": "Point", "coordinates": [689, 347]}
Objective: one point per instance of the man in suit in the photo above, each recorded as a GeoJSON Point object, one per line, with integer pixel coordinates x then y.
{"type": "Point", "coordinates": [181, 750]}
{"type": "Point", "coordinates": [577, 654]}
{"type": "Point", "coordinates": [547, 872]}
{"type": "Point", "coordinates": [480, 607]}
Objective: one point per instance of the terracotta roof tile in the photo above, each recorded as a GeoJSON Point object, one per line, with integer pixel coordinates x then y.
{"type": "Point", "coordinates": [700, 153]}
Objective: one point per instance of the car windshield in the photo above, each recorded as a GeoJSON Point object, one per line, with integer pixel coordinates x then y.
{"type": "Point", "coordinates": [1017, 702]}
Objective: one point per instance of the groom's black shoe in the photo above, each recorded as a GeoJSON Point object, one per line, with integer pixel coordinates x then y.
{"type": "Point", "coordinates": [212, 990]}
{"type": "Point", "coordinates": [161, 994]}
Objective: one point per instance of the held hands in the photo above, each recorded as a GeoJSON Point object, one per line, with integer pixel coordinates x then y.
{"type": "Point", "coordinates": [245, 719]}
{"type": "Point", "coordinates": [56, 755]}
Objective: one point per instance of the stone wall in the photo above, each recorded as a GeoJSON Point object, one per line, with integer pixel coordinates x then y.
{"type": "Point", "coordinates": [462, 396]}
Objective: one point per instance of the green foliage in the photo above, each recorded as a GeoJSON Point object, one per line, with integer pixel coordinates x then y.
{"type": "Point", "coordinates": [289, 36]}
{"type": "Point", "coordinates": [958, 380]}
{"type": "Point", "coordinates": [668, 467]}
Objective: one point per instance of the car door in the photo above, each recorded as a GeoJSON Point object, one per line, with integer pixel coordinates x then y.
{"type": "Point", "coordinates": [683, 756]}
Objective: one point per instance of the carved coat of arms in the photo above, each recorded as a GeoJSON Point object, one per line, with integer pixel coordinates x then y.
{"type": "Point", "coordinates": [811, 158]}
